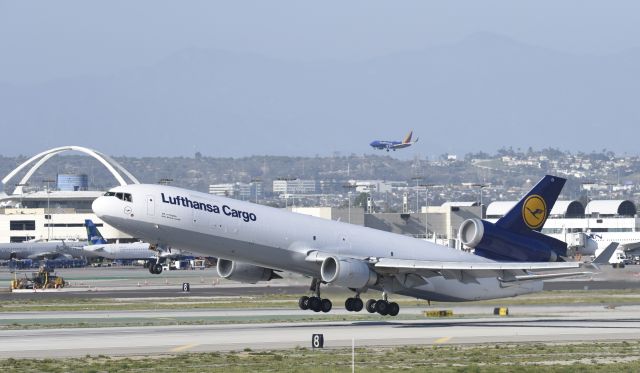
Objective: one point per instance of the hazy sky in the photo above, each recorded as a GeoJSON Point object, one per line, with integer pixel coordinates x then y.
{"type": "Point", "coordinates": [41, 40]}
{"type": "Point", "coordinates": [48, 40]}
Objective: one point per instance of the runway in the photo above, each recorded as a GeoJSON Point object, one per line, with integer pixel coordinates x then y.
{"type": "Point", "coordinates": [560, 323]}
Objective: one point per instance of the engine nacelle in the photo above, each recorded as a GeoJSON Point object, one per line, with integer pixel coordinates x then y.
{"type": "Point", "coordinates": [497, 243]}
{"type": "Point", "coordinates": [243, 272]}
{"type": "Point", "coordinates": [350, 273]}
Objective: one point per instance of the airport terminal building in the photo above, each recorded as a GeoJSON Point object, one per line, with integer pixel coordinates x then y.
{"type": "Point", "coordinates": [54, 213]}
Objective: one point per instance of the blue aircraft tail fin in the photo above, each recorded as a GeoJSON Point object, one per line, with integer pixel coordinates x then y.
{"type": "Point", "coordinates": [532, 211]}
{"type": "Point", "coordinates": [93, 234]}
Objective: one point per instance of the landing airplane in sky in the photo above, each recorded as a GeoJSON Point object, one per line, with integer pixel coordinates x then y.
{"type": "Point", "coordinates": [253, 242]}
{"type": "Point", "coordinates": [99, 246]}
{"type": "Point", "coordinates": [393, 145]}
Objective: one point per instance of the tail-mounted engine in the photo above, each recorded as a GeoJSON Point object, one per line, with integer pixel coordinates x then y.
{"type": "Point", "coordinates": [494, 242]}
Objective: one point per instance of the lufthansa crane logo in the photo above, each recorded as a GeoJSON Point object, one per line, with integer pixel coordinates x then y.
{"type": "Point", "coordinates": [534, 211]}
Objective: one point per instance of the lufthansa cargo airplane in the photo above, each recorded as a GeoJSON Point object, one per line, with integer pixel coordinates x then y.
{"type": "Point", "coordinates": [254, 242]}
{"type": "Point", "coordinates": [393, 145]}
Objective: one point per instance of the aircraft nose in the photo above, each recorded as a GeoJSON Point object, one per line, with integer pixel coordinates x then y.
{"type": "Point", "coordinates": [100, 206]}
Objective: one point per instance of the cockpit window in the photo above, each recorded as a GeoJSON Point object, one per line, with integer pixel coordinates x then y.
{"type": "Point", "coordinates": [124, 196]}
{"type": "Point", "coordinates": [110, 194]}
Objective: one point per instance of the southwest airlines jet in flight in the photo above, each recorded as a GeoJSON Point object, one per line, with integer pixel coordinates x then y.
{"type": "Point", "coordinates": [393, 145]}
{"type": "Point", "coordinates": [254, 242]}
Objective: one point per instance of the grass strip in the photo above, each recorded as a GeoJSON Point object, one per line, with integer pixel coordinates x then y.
{"type": "Point", "coordinates": [534, 357]}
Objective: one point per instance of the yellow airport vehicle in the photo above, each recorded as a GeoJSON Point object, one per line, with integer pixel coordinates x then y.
{"type": "Point", "coordinates": [43, 279]}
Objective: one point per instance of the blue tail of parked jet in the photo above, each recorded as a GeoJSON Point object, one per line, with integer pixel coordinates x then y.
{"type": "Point", "coordinates": [93, 234]}
{"type": "Point", "coordinates": [516, 236]}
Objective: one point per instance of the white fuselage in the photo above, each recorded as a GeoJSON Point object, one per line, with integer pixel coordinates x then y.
{"type": "Point", "coordinates": [40, 250]}
{"type": "Point", "coordinates": [116, 251]}
{"type": "Point", "coordinates": [279, 239]}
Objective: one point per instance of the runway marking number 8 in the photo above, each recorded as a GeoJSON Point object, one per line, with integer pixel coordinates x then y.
{"type": "Point", "coordinates": [185, 287]}
{"type": "Point", "coordinates": [317, 341]}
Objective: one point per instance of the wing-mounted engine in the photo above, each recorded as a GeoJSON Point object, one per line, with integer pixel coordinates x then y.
{"type": "Point", "coordinates": [494, 242]}
{"type": "Point", "coordinates": [244, 272]}
{"type": "Point", "coordinates": [347, 272]}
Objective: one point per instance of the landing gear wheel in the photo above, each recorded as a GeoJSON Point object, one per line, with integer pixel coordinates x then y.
{"type": "Point", "coordinates": [371, 306]}
{"type": "Point", "coordinates": [326, 305]}
{"type": "Point", "coordinates": [382, 307]}
{"type": "Point", "coordinates": [157, 268]}
{"type": "Point", "coordinates": [348, 304]}
{"type": "Point", "coordinates": [303, 302]}
{"type": "Point", "coordinates": [394, 308]}
{"type": "Point", "coordinates": [315, 304]}
{"type": "Point", "coordinates": [356, 305]}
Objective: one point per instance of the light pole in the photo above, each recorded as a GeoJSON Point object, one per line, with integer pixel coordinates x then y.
{"type": "Point", "coordinates": [480, 187]}
{"type": "Point", "coordinates": [48, 214]}
{"type": "Point", "coordinates": [349, 188]}
{"type": "Point", "coordinates": [426, 210]}
{"type": "Point", "coordinates": [417, 179]}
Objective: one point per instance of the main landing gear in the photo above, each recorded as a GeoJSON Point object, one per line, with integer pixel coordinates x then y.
{"type": "Point", "coordinates": [383, 306]}
{"type": "Point", "coordinates": [354, 304]}
{"type": "Point", "coordinates": [315, 302]}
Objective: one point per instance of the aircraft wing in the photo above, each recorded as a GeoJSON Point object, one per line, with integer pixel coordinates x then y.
{"type": "Point", "coordinates": [629, 246]}
{"type": "Point", "coordinates": [466, 271]}
{"type": "Point", "coordinates": [49, 255]}
{"type": "Point", "coordinates": [473, 266]}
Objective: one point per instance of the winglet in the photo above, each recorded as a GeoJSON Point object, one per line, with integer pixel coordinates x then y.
{"type": "Point", "coordinates": [606, 255]}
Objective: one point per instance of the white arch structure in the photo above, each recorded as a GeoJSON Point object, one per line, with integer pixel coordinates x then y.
{"type": "Point", "coordinates": [41, 158]}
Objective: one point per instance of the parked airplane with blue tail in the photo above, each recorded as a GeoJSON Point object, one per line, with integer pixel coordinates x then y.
{"type": "Point", "coordinates": [100, 247]}
{"type": "Point", "coordinates": [255, 242]}
{"type": "Point", "coordinates": [393, 145]}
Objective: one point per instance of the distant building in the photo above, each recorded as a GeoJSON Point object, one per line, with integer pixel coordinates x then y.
{"type": "Point", "coordinates": [224, 190]}
{"type": "Point", "coordinates": [295, 186]}
{"type": "Point", "coordinates": [244, 191]}
{"type": "Point", "coordinates": [72, 183]}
